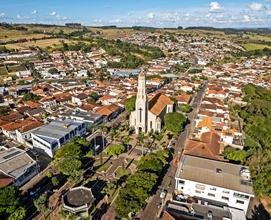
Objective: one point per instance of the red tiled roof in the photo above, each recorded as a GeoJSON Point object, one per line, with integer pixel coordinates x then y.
{"type": "Point", "coordinates": [161, 101]}
{"type": "Point", "coordinates": [107, 110]}
{"type": "Point", "coordinates": [209, 147]}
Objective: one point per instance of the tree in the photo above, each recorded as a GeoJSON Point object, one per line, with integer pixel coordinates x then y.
{"type": "Point", "coordinates": [68, 158]}
{"type": "Point", "coordinates": [185, 108]}
{"type": "Point", "coordinates": [236, 155]}
{"type": "Point", "coordinates": [114, 149]}
{"type": "Point", "coordinates": [19, 214]}
{"type": "Point", "coordinates": [30, 97]}
{"type": "Point", "coordinates": [4, 110]}
{"type": "Point", "coordinates": [9, 200]}
{"type": "Point", "coordinates": [41, 203]}
{"type": "Point", "coordinates": [94, 96]}
{"type": "Point", "coordinates": [130, 104]}
{"type": "Point", "coordinates": [53, 71]}
{"type": "Point", "coordinates": [175, 122]}
{"type": "Point", "coordinates": [54, 181]}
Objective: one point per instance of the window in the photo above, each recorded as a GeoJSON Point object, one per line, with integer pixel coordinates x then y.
{"type": "Point", "coordinates": [67, 136]}
{"type": "Point", "coordinates": [225, 198]}
{"type": "Point", "coordinates": [83, 125]}
{"type": "Point", "coordinates": [213, 188]}
{"type": "Point", "coordinates": [197, 191]}
{"type": "Point", "coordinates": [241, 196]}
{"type": "Point", "coordinates": [240, 201]}
{"type": "Point", "coordinates": [79, 127]}
{"type": "Point", "coordinates": [181, 182]}
{"type": "Point", "coordinates": [151, 125]}
{"type": "Point", "coordinates": [61, 140]}
{"type": "Point", "coordinates": [226, 192]}
{"type": "Point", "coordinates": [211, 194]}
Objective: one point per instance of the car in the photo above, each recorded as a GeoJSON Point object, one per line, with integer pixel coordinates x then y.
{"type": "Point", "coordinates": [34, 191]}
{"type": "Point", "coordinates": [163, 194]}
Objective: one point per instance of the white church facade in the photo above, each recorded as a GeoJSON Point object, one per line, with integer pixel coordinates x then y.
{"type": "Point", "coordinates": [149, 114]}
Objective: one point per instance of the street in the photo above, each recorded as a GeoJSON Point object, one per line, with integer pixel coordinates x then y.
{"type": "Point", "coordinates": [153, 208]}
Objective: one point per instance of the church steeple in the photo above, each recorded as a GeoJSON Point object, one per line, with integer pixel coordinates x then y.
{"type": "Point", "coordinates": [141, 105]}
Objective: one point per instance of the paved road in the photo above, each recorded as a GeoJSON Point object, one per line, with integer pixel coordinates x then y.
{"type": "Point", "coordinates": [152, 209]}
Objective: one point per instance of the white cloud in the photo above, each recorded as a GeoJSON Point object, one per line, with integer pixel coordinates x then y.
{"type": "Point", "coordinates": [256, 6]}
{"type": "Point", "coordinates": [208, 15]}
{"type": "Point", "coordinates": [19, 16]}
{"type": "Point", "coordinates": [215, 6]}
{"type": "Point", "coordinates": [34, 12]}
{"type": "Point", "coordinates": [64, 18]}
{"type": "Point", "coordinates": [151, 15]}
{"type": "Point", "coordinates": [2, 14]}
{"type": "Point", "coordinates": [53, 13]}
{"type": "Point", "coordinates": [246, 18]}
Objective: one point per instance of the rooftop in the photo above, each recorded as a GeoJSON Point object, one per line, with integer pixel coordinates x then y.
{"type": "Point", "coordinates": [215, 173]}
{"type": "Point", "coordinates": [56, 129]}
{"type": "Point", "coordinates": [14, 161]}
{"type": "Point", "coordinates": [78, 196]}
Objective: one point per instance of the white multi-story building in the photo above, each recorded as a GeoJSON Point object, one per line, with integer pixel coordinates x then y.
{"type": "Point", "coordinates": [223, 182]}
{"type": "Point", "coordinates": [50, 137]}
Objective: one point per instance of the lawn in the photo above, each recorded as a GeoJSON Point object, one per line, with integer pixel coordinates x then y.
{"type": "Point", "coordinates": [104, 167]}
{"type": "Point", "coordinates": [251, 46]}
{"type": "Point", "coordinates": [259, 37]}
{"type": "Point", "coordinates": [120, 172]}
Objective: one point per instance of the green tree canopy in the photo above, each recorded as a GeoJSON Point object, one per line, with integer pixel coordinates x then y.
{"type": "Point", "coordinates": [19, 214]}
{"type": "Point", "coordinates": [68, 158]}
{"type": "Point", "coordinates": [4, 110]}
{"type": "Point", "coordinates": [130, 104]}
{"type": "Point", "coordinates": [114, 149]}
{"type": "Point", "coordinates": [175, 122]}
{"type": "Point", "coordinates": [236, 155]}
{"type": "Point", "coordinates": [30, 97]}
{"type": "Point", "coordinates": [185, 108]}
{"type": "Point", "coordinates": [9, 200]}
{"type": "Point", "coordinates": [41, 203]}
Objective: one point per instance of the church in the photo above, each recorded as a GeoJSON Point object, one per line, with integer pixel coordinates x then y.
{"type": "Point", "coordinates": [149, 114]}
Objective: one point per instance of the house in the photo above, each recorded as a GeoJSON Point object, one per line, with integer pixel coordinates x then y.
{"type": "Point", "coordinates": [50, 137]}
{"type": "Point", "coordinates": [183, 99]}
{"type": "Point", "coordinates": [109, 112]}
{"type": "Point", "coordinates": [23, 74]}
{"type": "Point", "coordinates": [48, 102]}
{"type": "Point", "coordinates": [108, 100]}
{"type": "Point", "coordinates": [215, 181]}
{"type": "Point", "coordinates": [209, 147]}
{"type": "Point", "coordinates": [79, 99]}
{"type": "Point", "coordinates": [21, 130]}
{"type": "Point", "coordinates": [16, 166]}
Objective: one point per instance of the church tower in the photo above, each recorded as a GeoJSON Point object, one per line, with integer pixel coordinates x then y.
{"type": "Point", "coordinates": [141, 111]}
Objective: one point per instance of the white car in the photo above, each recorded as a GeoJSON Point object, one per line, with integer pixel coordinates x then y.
{"type": "Point", "coordinates": [163, 194]}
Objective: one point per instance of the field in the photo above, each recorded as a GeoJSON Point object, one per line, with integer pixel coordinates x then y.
{"type": "Point", "coordinates": [54, 42]}
{"type": "Point", "coordinates": [7, 35]}
{"type": "Point", "coordinates": [259, 37]}
{"type": "Point", "coordinates": [250, 46]}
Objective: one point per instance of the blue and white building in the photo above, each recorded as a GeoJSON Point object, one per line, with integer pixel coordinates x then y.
{"type": "Point", "coordinates": [50, 137]}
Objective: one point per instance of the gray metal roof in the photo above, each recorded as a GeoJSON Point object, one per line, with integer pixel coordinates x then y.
{"type": "Point", "coordinates": [14, 161]}
{"type": "Point", "coordinates": [214, 173]}
{"type": "Point", "coordinates": [56, 129]}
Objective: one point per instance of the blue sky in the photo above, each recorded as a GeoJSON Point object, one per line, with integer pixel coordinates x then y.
{"type": "Point", "coordinates": [159, 13]}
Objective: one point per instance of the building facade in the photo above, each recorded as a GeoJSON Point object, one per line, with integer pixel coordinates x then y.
{"type": "Point", "coordinates": [219, 181]}
{"type": "Point", "coordinates": [149, 114]}
{"type": "Point", "coordinates": [50, 137]}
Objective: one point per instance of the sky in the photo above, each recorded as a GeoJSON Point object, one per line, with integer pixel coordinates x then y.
{"type": "Point", "coordinates": [155, 13]}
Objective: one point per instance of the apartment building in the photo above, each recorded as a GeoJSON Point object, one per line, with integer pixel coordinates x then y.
{"type": "Point", "coordinates": [219, 181]}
